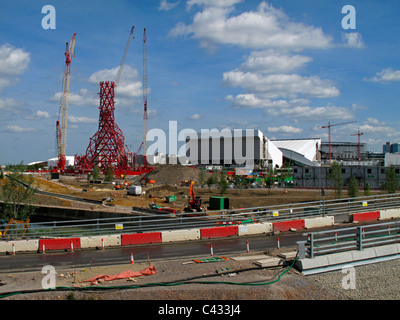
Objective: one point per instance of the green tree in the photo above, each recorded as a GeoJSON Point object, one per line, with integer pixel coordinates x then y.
{"type": "Point", "coordinates": [223, 184]}
{"type": "Point", "coordinates": [211, 180]}
{"type": "Point", "coordinates": [18, 195]}
{"type": "Point", "coordinates": [96, 173]}
{"type": "Point", "coordinates": [270, 178]}
{"type": "Point", "coordinates": [109, 176]}
{"type": "Point", "coordinates": [391, 184]}
{"type": "Point", "coordinates": [353, 187]}
{"type": "Point", "coordinates": [202, 177]}
{"type": "Point", "coordinates": [367, 191]}
{"type": "Point", "coordinates": [335, 175]}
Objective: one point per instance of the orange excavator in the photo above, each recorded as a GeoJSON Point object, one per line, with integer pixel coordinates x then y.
{"type": "Point", "coordinates": [194, 201]}
{"type": "Point", "coordinates": [25, 226]}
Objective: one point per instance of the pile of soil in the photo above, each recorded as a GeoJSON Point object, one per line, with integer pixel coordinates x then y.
{"type": "Point", "coordinates": [175, 174]}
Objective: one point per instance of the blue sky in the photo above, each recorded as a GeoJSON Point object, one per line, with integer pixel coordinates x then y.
{"type": "Point", "coordinates": [284, 67]}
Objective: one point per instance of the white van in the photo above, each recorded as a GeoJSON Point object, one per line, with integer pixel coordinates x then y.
{"type": "Point", "coordinates": [135, 190]}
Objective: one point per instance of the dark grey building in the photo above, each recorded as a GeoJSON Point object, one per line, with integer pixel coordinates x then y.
{"type": "Point", "coordinates": [318, 177]}
{"type": "Point", "coordinates": [347, 151]}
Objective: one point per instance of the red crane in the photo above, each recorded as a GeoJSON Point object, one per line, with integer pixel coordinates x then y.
{"type": "Point", "coordinates": [329, 133]}
{"type": "Point", "coordinates": [61, 130]}
{"type": "Point", "coordinates": [359, 144]}
{"type": "Point", "coordinates": [145, 116]}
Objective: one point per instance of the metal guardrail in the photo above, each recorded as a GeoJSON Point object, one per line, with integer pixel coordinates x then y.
{"type": "Point", "coordinates": [352, 238]}
{"type": "Point", "coordinates": [145, 222]}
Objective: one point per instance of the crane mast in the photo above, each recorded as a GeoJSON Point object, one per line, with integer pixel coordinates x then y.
{"type": "Point", "coordinates": [145, 116]}
{"type": "Point", "coordinates": [329, 133]}
{"type": "Point", "coordinates": [61, 129]}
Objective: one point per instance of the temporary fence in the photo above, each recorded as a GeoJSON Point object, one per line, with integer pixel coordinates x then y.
{"type": "Point", "coordinates": [139, 222]}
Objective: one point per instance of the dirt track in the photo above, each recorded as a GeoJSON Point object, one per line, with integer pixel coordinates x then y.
{"type": "Point", "coordinates": [237, 283]}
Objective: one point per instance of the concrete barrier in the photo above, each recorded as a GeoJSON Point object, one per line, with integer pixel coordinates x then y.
{"type": "Point", "coordinates": [366, 216]}
{"type": "Point", "coordinates": [337, 261]}
{"type": "Point", "coordinates": [19, 245]}
{"type": "Point", "coordinates": [257, 228]}
{"type": "Point", "coordinates": [390, 214]}
{"type": "Point", "coordinates": [287, 225]}
{"type": "Point", "coordinates": [140, 238]}
{"type": "Point", "coordinates": [318, 222]}
{"type": "Point", "coordinates": [59, 244]}
{"type": "Point", "coordinates": [218, 232]}
{"type": "Point", "coordinates": [96, 241]}
{"type": "Point", "coordinates": [180, 235]}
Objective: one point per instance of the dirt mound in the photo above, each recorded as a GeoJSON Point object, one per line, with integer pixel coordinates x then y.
{"type": "Point", "coordinates": [175, 174]}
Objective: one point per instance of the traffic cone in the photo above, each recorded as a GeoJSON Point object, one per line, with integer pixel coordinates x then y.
{"type": "Point", "coordinates": [132, 261]}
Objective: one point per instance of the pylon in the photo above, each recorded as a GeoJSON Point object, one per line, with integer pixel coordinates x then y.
{"type": "Point", "coordinates": [132, 261]}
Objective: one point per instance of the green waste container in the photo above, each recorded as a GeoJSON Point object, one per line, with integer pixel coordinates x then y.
{"type": "Point", "coordinates": [170, 199]}
{"type": "Point", "coordinates": [219, 203]}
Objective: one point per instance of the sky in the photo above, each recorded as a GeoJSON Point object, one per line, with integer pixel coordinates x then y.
{"type": "Point", "coordinates": [285, 67]}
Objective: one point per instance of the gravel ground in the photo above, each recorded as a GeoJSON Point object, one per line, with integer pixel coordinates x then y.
{"type": "Point", "coordinates": [379, 281]}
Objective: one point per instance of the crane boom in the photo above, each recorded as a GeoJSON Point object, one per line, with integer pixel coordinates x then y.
{"type": "Point", "coordinates": [121, 66]}
{"type": "Point", "coordinates": [62, 128]}
{"type": "Point", "coordinates": [329, 132]}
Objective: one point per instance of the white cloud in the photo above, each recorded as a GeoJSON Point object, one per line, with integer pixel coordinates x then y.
{"type": "Point", "coordinates": [353, 40]}
{"type": "Point", "coordinates": [267, 27]}
{"type": "Point", "coordinates": [39, 114]}
{"type": "Point", "coordinates": [9, 104]}
{"type": "Point", "coordinates": [386, 75]}
{"type": "Point", "coordinates": [270, 61]}
{"type": "Point", "coordinates": [285, 129]}
{"type": "Point", "coordinates": [18, 129]}
{"type": "Point", "coordinates": [13, 63]}
{"type": "Point", "coordinates": [281, 85]}
{"type": "Point", "coordinates": [74, 119]}
{"type": "Point", "coordinates": [307, 113]}
{"type": "Point", "coordinates": [213, 3]}
{"type": "Point", "coordinates": [195, 116]}
{"type": "Point", "coordinates": [166, 6]}
{"type": "Point", "coordinates": [374, 121]}
{"type": "Point", "coordinates": [83, 98]}
{"type": "Point", "coordinates": [129, 85]}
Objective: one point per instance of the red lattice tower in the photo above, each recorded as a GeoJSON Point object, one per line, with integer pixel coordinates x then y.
{"type": "Point", "coordinates": [107, 147]}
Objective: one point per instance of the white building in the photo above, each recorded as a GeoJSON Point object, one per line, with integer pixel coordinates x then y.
{"type": "Point", "coordinates": [308, 148]}
{"type": "Point", "coordinates": [69, 161]}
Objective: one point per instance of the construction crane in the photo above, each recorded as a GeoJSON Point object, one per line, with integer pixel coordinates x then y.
{"type": "Point", "coordinates": [61, 129]}
{"type": "Point", "coordinates": [121, 66]}
{"type": "Point", "coordinates": [359, 144]}
{"type": "Point", "coordinates": [329, 133]}
{"type": "Point", "coordinates": [145, 116]}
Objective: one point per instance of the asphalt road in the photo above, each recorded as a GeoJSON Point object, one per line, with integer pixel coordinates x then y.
{"type": "Point", "coordinates": [119, 255]}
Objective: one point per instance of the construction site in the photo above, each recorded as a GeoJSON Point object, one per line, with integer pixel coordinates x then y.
{"type": "Point", "coordinates": [215, 187]}
{"type": "Point", "coordinates": [109, 172]}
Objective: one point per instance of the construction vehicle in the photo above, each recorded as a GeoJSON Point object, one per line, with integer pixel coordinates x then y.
{"type": "Point", "coordinates": [194, 201]}
{"type": "Point", "coordinates": [122, 185]}
{"type": "Point", "coordinates": [15, 222]}
{"type": "Point", "coordinates": [135, 190]}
